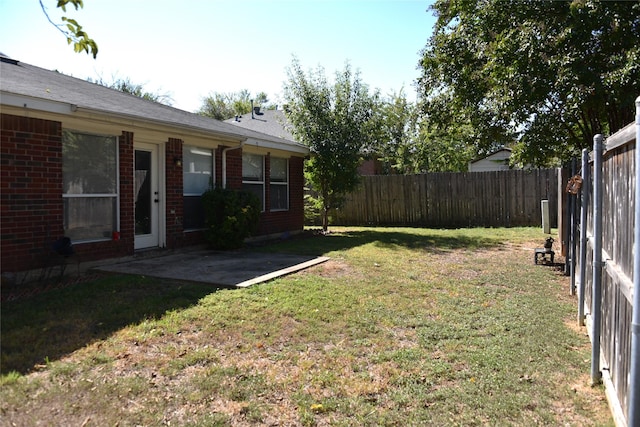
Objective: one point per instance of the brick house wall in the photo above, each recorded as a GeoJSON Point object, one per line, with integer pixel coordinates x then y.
{"type": "Point", "coordinates": [234, 169]}
{"type": "Point", "coordinates": [292, 219]}
{"type": "Point", "coordinates": [31, 200]}
{"type": "Point", "coordinates": [174, 194]}
{"type": "Point", "coordinates": [31, 188]}
{"type": "Point", "coordinates": [31, 195]}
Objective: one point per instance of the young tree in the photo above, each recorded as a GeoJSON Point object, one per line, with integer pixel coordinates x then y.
{"type": "Point", "coordinates": [335, 121]}
{"type": "Point", "coordinates": [71, 29]}
{"type": "Point", "coordinates": [548, 75]}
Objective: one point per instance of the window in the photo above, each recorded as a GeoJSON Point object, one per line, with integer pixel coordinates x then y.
{"type": "Point", "coordinates": [90, 185]}
{"type": "Point", "coordinates": [279, 184]}
{"type": "Point", "coordinates": [198, 176]}
{"type": "Point", "coordinates": [253, 175]}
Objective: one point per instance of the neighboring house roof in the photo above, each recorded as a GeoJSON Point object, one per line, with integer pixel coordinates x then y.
{"type": "Point", "coordinates": [24, 85]}
{"type": "Point", "coordinates": [498, 160]}
{"type": "Point", "coordinates": [271, 122]}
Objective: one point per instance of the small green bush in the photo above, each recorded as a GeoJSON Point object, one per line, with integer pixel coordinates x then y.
{"type": "Point", "coordinates": [230, 217]}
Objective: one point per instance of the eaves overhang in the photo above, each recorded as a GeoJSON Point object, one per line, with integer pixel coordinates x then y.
{"type": "Point", "coordinates": [32, 103]}
{"type": "Point", "coordinates": [276, 145]}
{"type": "Point", "coordinates": [248, 137]}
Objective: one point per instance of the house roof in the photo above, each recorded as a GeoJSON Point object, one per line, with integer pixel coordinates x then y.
{"type": "Point", "coordinates": [488, 157]}
{"type": "Point", "coordinates": [271, 122]}
{"type": "Point", "coordinates": [25, 85]}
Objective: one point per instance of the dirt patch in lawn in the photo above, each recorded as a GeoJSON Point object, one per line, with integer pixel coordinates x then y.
{"type": "Point", "coordinates": [384, 333]}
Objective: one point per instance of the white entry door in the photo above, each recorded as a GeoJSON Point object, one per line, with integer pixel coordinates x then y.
{"type": "Point", "coordinates": [147, 196]}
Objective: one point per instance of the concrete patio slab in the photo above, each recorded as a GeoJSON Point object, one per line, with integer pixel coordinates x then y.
{"type": "Point", "coordinates": [233, 269]}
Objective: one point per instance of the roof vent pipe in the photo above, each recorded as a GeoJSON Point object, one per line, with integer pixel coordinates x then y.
{"type": "Point", "coordinates": [252, 109]}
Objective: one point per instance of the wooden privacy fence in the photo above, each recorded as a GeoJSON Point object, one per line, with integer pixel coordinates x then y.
{"type": "Point", "coordinates": [604, 261]}
{"type": "Point", "coordinates": [472, 199]}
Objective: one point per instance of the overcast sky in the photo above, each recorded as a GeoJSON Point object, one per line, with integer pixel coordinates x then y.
{"type": "Point", "coordinates": [191, 48]}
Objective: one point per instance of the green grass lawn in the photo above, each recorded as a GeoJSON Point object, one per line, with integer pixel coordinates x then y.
{"type": "Point", "coordinates": [401, 327]}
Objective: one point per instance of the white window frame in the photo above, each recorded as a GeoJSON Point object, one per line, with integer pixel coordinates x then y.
{"type": "Point", "coordinates": [279, 183]}
{"type": "Point", "coordinates": [255, 182]}
{"type": "Point", "coordinates": [115, 196]}
{"type": "Point", "coordinates": [202, 151]}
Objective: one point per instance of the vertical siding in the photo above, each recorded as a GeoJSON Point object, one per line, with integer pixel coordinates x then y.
{"type": "Point", "coordinates": [485, 199]}
{"type": "Point", "coordinates": [618, 207]}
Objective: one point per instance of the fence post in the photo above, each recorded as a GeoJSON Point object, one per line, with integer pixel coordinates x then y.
{"type": "Point", "coordinates": [583, 234]}
{"type": "Point", "coordinates": [634, 378]}
{"type": "Point", "coordinates": [596, 311]}
{"type": "Point", "coordinates": [573, 221]}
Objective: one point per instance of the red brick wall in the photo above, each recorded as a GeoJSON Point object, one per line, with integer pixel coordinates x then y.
{"type": "Point", "coordinates": [32, 205]}
{"type": "Point", "coordinates": [234, 169]}
{"type": "Point", "coordinates": [31, 190]}
{"type": "Point", "coordinates": [296, 192]}
{"type": "Point", "coordinates": [127, 193]}
{"type": "Point", "coordinates": [174, 194]}
{"type": "Point", "coordinates": [292, 219]}
{"type": "Point", "coordinates": [31, 195]}
{"type": "Point", "coordinates": [370, 167]}
{"type": "Point", "coordinates": [218, 166]}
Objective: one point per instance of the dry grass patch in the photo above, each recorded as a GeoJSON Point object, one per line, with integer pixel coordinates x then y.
{"type": "Point", "coordinates": [401, 327]}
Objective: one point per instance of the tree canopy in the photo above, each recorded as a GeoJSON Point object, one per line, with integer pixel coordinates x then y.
{"type": "Point", "coordinates": [71, 29]}
{"type": "Point", "coordinates": [124, 84]}
{"type": "Point", "coordinates": [335, 121]}
{"type": "Point", "coordinates": [223, 106]}
{"type": "Point", "coordinates": [542, 77]}
{"type": "Point", "coordinates": [396, 143]}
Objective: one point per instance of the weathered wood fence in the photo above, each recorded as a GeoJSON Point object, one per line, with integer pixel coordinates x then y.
{"type": "Point", "coordinates": [473, 199]}
{"type": "Point", "coordinates": [604, 261]}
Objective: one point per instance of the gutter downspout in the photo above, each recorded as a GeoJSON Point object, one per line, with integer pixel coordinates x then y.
{"type": "Point", "coordinates": [224, 162]}
{"type": "Point", "coordinates": [583, 234]}
{"type": "Point", "coordinates": [634, 377]}
{"type": "Point", "coordinates": [596, 304]}
{"type": "Point", "coordinates": [573, 232]}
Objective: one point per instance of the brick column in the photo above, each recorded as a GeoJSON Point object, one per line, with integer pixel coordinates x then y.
{"type": "Point", "coordinates": [174, 193]}
{"type": "Point", "coordinates": [31, 190]}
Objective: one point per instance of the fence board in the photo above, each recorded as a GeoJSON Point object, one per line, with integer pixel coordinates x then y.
{"type": "Point", "coordinates": [480, 199]}
{"type": "Point", "coordinates": [618, 205]}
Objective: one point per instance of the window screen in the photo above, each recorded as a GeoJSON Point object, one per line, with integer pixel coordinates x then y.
{"type": "Point", "coordinates": [90, 185]}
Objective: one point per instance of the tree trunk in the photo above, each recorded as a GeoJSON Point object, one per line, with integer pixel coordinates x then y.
{"type": "Point", "coordinates": [325, 219]}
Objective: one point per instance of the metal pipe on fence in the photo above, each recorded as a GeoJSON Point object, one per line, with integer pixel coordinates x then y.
{"type": "Point", "coordinates": [634, 377]}
{"type": "Point", "coordinates": [572, 232]}
{"type": "Point", "coordinates": [583, 234]}
{"type": "Point", "coordinates": [596, 303]}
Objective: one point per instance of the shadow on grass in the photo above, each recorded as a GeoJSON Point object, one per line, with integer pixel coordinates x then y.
{"type": "Point", "coordinates": [435, 241]}
{"type": "Point", "coordinates": [55, 323]}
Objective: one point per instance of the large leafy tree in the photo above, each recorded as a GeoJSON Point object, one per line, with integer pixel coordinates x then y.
{"type": "Point", "coordinates": [408, 144]}
{"type": "Point", "coordinates": [397, 139]}
{"type": "Point", "coordinates": [124, 84]}
{"type": "Point", "coordinates": [541, 76]}
{"type": "Point", "coordinates": [336, 121]}
{"type": "Point", "coordinates": [443, 149]}
{"type": "Point", "coordinates": [223, 106]}
{"type": "Point", "coordinates": [71, 29]}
